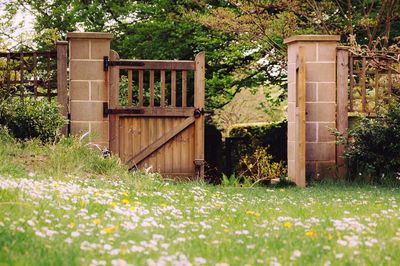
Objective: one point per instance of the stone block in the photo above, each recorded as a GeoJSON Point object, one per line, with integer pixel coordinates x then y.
{"type": "Point", "coordinates": [292, 92]}
{"type": "Point", "coordinates": [320, 151]}
{"type": "Point", "coordinates": [310, 51]}
{"type": "Point", "coordinates": [320, 112]}
{"type": "Point", "coordinates": [291, 131]}
{"type": "Point", "coordinates": [311, 92]}
{"type": "Point", "coordinates": [86, 70]}
{"type": "Point", "coordinates": [320, 72]}
{"type": "Point", "coordinates": [291, 73]}
{"type": "Point", "coordinates": [326, 170]}
{"type": "Point", "coordinates": [87, 111]}
{"type": "Point", "coordinates": [79, 128]}
{"type": "Point", "coordinates": [311, 169]}
{"type": "Point", "coordinates": [98, 91]}
{"type": "Point", "coordinates": [327, 92]}
{"type": "Point", "coordinates": [100, 48]}
{"type": "Point", "coordinates": [327, 51]}
{"type": "Point", "coordinates": [291, 112]}
{"type": "Point", "coordinates": [100, 132]}
{"type": "Point", "coordinates": [324, 132]}
{"type": "Point", "coordinates": [311, 132]}
{"type": "Point", "coordinates": [79, 90]}
{"type": "Point", "coordinates": [291, 170]}
{"type": "Point", "coordinates": [291, 150]}
{"type": "Point", "coordinates": [79, 49]}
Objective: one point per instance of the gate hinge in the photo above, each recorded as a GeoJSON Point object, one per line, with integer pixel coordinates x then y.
{"type": "Point", "coordinates": [106, 111]}
{"type": "Point", "coordinates": [198, 112]}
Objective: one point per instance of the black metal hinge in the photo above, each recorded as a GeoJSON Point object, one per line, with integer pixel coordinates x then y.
{"type": "Point", "coordinates": [107, 63]}
{"type": "Point", "coordinates": [121, 111]}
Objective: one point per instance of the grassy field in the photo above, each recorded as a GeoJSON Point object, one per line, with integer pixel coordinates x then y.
{"type": "Point", "coordinates": [64, 205]}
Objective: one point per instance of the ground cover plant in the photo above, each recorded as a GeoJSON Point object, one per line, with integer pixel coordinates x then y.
{"type": "Point", "coordinates": [64, 204]}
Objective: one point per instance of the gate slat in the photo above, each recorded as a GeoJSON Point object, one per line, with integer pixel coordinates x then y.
{"type": "Point", "coordinates": [151, 88]}
{"type": "Point", "coordinates": [168, 147]}
{"type": "Point", "coordinates": [130, 87]}
{"type": "Point", "coordinates": [161, 141]}
{"type": "Point", "coordinates": [363, 84]}
{"type": "Point", "coordinates": [173, 88]}
{"type": "Point", "coordinates": [184, 88]}
{"type": "Point", "coordinates": [162, 81]}
{"type": "Point", "coordinates": [140, 88]}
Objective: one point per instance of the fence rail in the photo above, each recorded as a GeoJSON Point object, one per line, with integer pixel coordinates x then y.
{"type": "Point", "coordinates": [36, 74]}
{"type": "Point", "coordinates": [371, 82]}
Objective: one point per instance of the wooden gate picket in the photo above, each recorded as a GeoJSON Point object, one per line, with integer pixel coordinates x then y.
{"type": "Point", "coordinates": [164, 137]}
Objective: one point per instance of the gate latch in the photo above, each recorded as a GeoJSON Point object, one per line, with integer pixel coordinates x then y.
{"type": "Point", "coordinates": [198, 112]}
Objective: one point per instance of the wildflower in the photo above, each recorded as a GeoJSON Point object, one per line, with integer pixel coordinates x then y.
{"type": "Point", "coordinates": [163, 205]}
{"type": "Point", "coordinates": [282, 190]}
{"type": "Point", "coordinates": [75, 234]}
{"type": "Point", "coordinates": [97, 221]}
{"type": "Point", "coordinates": [125, 201]}
{"type": "Point", "coordinates": [311, 233]}
{"type": "Point", "coordinates": [249, 212]}
{"type": "Point", "coordinates": [125, 194]}
{"type": "Point", "coordinates": [109, 230]}
{"type": "Point", "coordinates": [288, 225]}
{"type": "Point", "coordinates": [112, 204]}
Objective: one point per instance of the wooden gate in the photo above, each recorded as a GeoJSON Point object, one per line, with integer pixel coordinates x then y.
{"type": "Point", "coordinates": [160, 127]}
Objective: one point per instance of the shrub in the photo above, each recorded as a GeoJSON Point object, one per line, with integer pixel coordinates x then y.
{"type": "Point", "coordinates": [31, 118]}
{"type": "Point", "coordinates": [374, 146]}
{"type": "Point", "coordinates": [273, 134]}
{"type": "Point", "coordinates": [260, 167]}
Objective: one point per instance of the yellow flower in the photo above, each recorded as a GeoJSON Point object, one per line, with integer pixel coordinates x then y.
{"type": "Point", "coordinates": [82, 203]}
{"type": "Point", "coordinates": [163, 205]}
{"type": "Point", "coordinates": [282, 190]}
{"type": "Point", "coordinates": [112, 204]}
{"type": "Point", "coordinates": [109, 230]}
{"type": "Point", "coordinates": [257, 214]}
{"type": "Point", "coordinates": [125, 194]}
{"type": "Point", "coordinates": [330, 236]}
{"type": "Point", "coordinates": [71, 224]}
{"type": "Point", "coordinates": [218, 205]}
{"type": "Point", "coordinates": [125, 201]}
{"type": "Point", "coordinates": [249, 212]}
{"type": "Point", "coordinates": [133, 208]}
{"type": "Point", "coordinates": [97, 221]}
{"type": "Point", "coordinates": [226, 230]}
{"type": "Point", "coordinates": [136, 202]}
{"type": "Point", "coordinates": [288, 225]}
{"type": "Point", "coordinates": [311, 233]}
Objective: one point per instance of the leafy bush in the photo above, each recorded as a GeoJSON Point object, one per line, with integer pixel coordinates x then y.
{"type": "Point", "coordinates": [272, 134]}
{"type": "Point", "coordinates": [31, 118]}
{"type": "Point", "coordinates": [373, 149]}
{"type": "Point", "coordinates": [260, 167]}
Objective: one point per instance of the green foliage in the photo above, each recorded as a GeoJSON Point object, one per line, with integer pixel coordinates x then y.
{"type": "Point", "coordinates": [236, 181]}
{"type": "Point", "coordinates": [31, 118]}
{"type": "Point", "coordinates": [260, 167]}
{"type": "Point", "coordinates": [374, 147]}
{"type": "Point", "coordinates": [272, 134]}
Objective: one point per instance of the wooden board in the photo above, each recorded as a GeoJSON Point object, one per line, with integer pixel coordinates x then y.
{"type": "Point", "coordinates": [163, 138]}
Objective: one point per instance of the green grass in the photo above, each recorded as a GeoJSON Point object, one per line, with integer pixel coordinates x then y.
{"type": "Point", "coordinates": [64, 205]}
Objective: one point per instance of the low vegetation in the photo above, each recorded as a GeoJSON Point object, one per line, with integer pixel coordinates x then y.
{"type": "Point", "coordinates": [63, 204]}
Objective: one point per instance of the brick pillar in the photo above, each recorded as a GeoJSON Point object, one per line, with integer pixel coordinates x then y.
{"type": "Point", "coordinates": [88, 90]}
{"type": "Point", "coordinates": [320, 58]}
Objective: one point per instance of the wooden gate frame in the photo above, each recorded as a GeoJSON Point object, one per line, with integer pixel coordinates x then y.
{"type": "Point", "coordinates": [194, 114]}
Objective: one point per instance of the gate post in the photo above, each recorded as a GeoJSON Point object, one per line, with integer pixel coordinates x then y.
{"type": "Point", "coordinates": [199, 87]}
{"type": "Point", "coordinates": [320, 105]}
{"type": "Point", "coordinates": [88, 88]}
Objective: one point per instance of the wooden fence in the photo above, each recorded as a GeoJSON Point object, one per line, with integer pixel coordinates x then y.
{"type": "Point", "coordinates": [36, 74]}
{"type": "Point", "coordinates": [366, 83]}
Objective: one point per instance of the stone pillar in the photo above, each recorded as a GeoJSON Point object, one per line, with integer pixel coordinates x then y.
{"type": "Point", "coordinates": [320, 59]}
{"type": "Point", "coordinates": [88, 89]}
